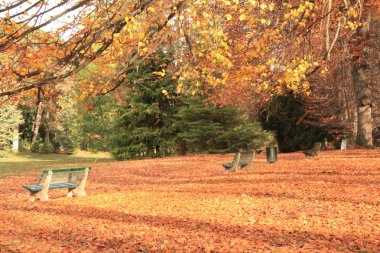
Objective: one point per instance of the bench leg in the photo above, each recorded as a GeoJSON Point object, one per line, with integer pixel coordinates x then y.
{"type": "Point", "coordinates": [32, 197]}
{"type": "Point", "coordinates": [70, 192]}
{"type": "Point", "coordinates": [79, 191]}
{"type": "Point", "coordinates": [43, 194]}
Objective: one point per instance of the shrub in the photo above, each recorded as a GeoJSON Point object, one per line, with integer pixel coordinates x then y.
{"type": "Point", "coordinates": [47, 148]}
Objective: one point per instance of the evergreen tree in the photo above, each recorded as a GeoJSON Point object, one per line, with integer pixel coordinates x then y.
{"type": "Point", "coordinates": [206, 128]}
{"type": "Point", "coordinates": [10, 117]}
{"type": "Point", "coordinates": [144, 123]}
{"type": "Point", "coordinates": [96, 123]}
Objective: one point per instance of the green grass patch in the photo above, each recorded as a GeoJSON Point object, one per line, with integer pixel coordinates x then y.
{"type": "Point", "coordinates": [28, 162]}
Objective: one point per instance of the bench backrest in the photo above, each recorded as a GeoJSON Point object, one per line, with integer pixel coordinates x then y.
{"type": "Point", "coordinates": [64, 175]}
{"type": "Point", "coordinates": [247, 157]}
{"type": "Point", "coordinates": [317, 147]}
{"type": "Point", "coordinates": [235, 162]}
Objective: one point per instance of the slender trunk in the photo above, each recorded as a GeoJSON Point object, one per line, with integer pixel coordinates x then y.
{"type": "Point", "coordinates": [47, 129]}
{"type": "Point", "coordinates": [15, 142]}
{"type": "Point", "coordinates": [37, 121]}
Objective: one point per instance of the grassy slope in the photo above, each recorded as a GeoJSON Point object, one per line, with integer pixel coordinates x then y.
{"type": "Point", "coordinates": [23, 162]}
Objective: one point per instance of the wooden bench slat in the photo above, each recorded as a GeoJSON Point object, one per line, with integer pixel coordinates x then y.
{"type": "Point", "coordinates": [73, 175]}
{"type": "Point", "coordinates": [65, 170]}
{"type": "Point", "coordinates": [35, 188]}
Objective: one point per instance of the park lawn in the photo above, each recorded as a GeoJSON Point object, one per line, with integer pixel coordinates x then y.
{"type": "Point", "coordinates": [329, 203]}
{"type": "Point", "coordinates": [33, 162]}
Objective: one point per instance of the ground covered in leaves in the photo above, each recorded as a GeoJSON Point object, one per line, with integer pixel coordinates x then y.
{"type": "Point", "coordinates": [330, 203]}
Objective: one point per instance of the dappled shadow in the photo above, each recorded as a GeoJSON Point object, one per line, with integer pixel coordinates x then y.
{"type": "Point", "coordinates": [256, 234]}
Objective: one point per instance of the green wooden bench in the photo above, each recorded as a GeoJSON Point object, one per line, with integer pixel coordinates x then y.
{"type": "Point", "coordinates": [74, 179]}
{"type": "Point", "coordinates": [241, 160]}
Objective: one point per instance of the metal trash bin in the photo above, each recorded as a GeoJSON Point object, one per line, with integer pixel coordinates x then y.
{"type": "Point", "coordinates": [271, 154]}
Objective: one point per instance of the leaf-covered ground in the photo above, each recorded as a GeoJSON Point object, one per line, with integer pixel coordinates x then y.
{"type": "Point", "coordinates": [330, 203]}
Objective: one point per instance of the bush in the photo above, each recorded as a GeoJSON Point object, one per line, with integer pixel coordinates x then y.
{"type": "Point", "coordinates": [36, 146]}
{"type": "Point", "coordinates": [68, 146]}
{"type": "Point", "coordinates": [247, 137]}
{"type": "Point", "coordinates": [206, 128]}
{"type": "Point", "coordinates": [47, 148]}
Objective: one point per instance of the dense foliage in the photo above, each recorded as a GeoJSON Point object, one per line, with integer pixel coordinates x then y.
{"type": "Point", "coordinates": [207, 128]}
{"type": "Point", "coordinates": [144, 121]}
{"type": "Point", "coordinates": [96, 123]}
{"type": "Point", "coordinates": [10, 117]}
{"type": "Point", "coordinates": [283, 116]}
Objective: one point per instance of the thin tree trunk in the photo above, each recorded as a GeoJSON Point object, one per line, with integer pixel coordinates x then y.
{"type": "Point", "coordinates": [37, 119]}
{"type": "Point", "coordinates": [15, 141]}
{"type": "Point", "coordinates": [47, 129]}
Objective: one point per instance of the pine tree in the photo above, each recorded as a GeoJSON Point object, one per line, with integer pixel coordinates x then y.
{"type": "Point", "coordinates": [144, 128]}
{"type": "Point", "coordinates": [207, 128]}
{"type": "Point", "coordinates": [10, 117]}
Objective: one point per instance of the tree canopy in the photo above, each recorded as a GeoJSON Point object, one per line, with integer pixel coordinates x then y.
{"type": "Point", "coordinates": [270, 45]}
{"type": "Point", "coordinates": [250, 49]}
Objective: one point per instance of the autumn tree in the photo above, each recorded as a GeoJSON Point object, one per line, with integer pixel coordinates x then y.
{"type": "Point", "coordinates": [364, 43]}
{"type": "Point", "coordinates": [259, 48]}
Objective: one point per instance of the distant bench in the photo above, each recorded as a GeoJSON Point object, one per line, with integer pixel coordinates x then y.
{"type": "Point", "coordinates": [72, 178]}
{"type": "Point", "coordinates": [315, 150]}
{"type": "Point", "coordinates": [241, 160]}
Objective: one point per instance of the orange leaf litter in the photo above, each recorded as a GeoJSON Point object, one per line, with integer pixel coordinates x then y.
{"type": "Point", "coordinates": [187, 204]}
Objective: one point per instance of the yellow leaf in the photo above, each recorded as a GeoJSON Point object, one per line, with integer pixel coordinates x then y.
{"type": "Point", "coordinates": [158, 73]}
{"type": "Point", "coordinates": [263, 6]}
{"type": "Point", "coordinates": [242, 17]}
{"type": "Point", "coordinates": [228, 17]}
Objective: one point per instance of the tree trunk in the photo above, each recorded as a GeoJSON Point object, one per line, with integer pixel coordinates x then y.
{"type": "Point", "coordinates": [361, 81]}
{"type": "Point", "coordinates": [47, 128]}
{"type": "Point", "coordinates": [37, 121]}
{"type": "Point", "coordinates": [15, 141]}
{"type": "Point", "coordinates": [364, 108]}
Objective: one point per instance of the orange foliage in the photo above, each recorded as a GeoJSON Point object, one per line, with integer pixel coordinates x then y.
{"type": "Point", "coordinates": [186, 204]}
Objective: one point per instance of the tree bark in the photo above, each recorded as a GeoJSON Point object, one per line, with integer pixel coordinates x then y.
{"type": "Point", "coordinates": [37, 119]}
{"type": "Point", "coordinates": [47, 128]}
{"type": "Point", "coordinates": [15, 141]}
{"type": "Point", "coordinates": [361, 81]}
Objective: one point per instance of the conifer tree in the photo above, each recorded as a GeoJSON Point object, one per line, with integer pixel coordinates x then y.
{"type": "Point", "coordinates": [10, 117]}
{"type": "Point", "coordinates": [206, 128]}
{"type": "Point", "coordinates": [144, 122]}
